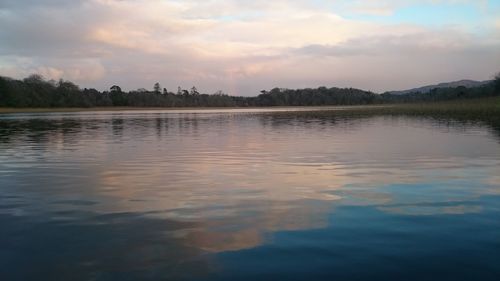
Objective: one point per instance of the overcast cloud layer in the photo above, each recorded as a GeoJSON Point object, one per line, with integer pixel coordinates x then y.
{"type": "Point", "coordinates": [242, 47]}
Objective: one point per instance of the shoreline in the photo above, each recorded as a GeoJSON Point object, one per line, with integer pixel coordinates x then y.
{"type": "Point", "coordinates": [488, 105]}
{"type": "Point", "coordinates": [9, 110]}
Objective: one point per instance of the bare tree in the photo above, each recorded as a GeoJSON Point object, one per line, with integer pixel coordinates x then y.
{"type": "Point", "coordinates": [157, 88]}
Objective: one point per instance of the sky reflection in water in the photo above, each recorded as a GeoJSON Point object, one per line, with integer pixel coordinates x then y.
{"type": "Point", "coordinates": [233, 195]}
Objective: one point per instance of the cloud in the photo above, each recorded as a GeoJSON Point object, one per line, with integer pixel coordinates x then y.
{"type": "Point", "coordinates": [70, 69]}
{"type": "Point", "coordinates": [443, 41]}
{"type": "Point", "coordinates": [238, 46]}
{"type": "Point", "coordinates": [389, 7]}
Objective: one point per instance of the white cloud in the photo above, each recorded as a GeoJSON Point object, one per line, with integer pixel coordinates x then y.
{"type": "Point", "coordinates": [240, 47]}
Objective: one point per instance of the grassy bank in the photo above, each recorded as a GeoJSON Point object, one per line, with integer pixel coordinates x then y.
{"type": "Point", "coordinates": [85, 109]}
{"type": "Point", "coordinates": [468, 107]}
{"type": "Point", "coordinates": [135, 108]}
{"type": "Point", "coordinates": [473, 107]}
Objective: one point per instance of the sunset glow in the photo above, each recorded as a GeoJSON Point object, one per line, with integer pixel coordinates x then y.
{"type": "Point", "coordinates": [242, 47]}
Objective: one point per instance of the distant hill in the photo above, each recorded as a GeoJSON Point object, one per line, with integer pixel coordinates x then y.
{"type": "Point", "coordinates": [34, 91]}
{"type": "Point", "coordinates": [427, 89]}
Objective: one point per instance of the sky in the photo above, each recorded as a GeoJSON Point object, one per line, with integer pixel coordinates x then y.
{"type": "Point", "coordinates": [242, 47]}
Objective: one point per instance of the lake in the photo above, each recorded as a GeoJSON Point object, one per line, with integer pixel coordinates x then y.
{"type": "Point", "coordinates": [248, 195]}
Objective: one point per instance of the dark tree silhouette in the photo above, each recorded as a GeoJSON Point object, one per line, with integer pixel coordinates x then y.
{"type": "Point", "coordinates": [115, 89]}
{"type": "Point", "coordinates": [194, 91]}
{"type": "Point", "coordinates": [157, 88]}
{"type": "Point", "coordinates": [497, 83]}
{"type": "Point", "coordinates": [35, 91]}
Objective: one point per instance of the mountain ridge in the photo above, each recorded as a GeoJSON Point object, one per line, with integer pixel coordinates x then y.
{"type": "Point", "coordinates": [426, 89]}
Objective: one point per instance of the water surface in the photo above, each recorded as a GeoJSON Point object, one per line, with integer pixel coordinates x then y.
{"type": "Point", "coordinates": [247, 195]}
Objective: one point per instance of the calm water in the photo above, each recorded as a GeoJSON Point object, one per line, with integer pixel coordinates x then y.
{"type": "Point", "coordinates": [247, 195]}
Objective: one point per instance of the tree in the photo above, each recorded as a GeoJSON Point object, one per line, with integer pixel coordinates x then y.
{"type": "Point", "coordinates": [67, 86]}
{"type": "Point", "coordinates": [34, 79]}
{"type": "Point", "coordinates": [157, 88]}
{"type": "Point", "coordinates": [194, 91]}
{"type": "Point", "coordinates": [116, 96]}
{"type": "Point", "coordinates": [34, 91]}
{"type": "Point", "coordinates": [115, 89]}
{"type": "Point", "coordinates": [497, 83]}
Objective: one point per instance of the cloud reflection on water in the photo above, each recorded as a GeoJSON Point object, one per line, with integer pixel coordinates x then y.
{"type": "Point", "coordinates": [233, 179]}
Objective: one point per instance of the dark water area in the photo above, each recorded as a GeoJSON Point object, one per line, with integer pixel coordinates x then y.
{"type": "Point", "coordinates": [248, 195]}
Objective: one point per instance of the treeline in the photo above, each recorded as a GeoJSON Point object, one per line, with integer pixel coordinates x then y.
{"type": "Point", "coordinates": [445, 94]}
{"type": "Point", "coordinates": [34, 91]}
